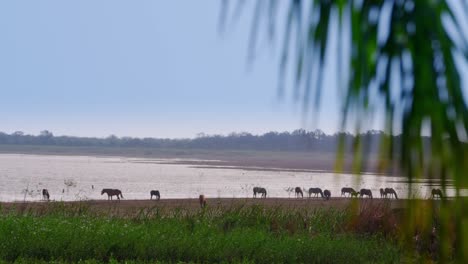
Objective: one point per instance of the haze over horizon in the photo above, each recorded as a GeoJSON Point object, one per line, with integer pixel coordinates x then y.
{"type": "Point", "coordinates": [146, 69]}
{"type": "Point", "coordinates": [201, 134]}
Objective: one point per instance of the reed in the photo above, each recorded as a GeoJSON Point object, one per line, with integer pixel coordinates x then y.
{"type": "Point", "coordinates": [241, 234]}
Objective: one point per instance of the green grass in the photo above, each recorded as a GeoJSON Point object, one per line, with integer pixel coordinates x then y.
{"type": "Point", "coordinates": [241, 235]}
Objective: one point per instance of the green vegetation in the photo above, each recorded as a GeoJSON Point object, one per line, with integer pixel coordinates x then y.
{"type": "Point", "coordinates": [243, 234]}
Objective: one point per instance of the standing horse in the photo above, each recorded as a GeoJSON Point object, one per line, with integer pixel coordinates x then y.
{"type": "Point", "coordinates": [202, 201]}
{"type": "Point", "coordinates": [391, 192]}
{"type": "Point", "coordinates": [382, 193]}
{"type": "Point", "coordinates": [316, 192]}
{"type": "Point", "coordinates": [298, 192]}
{"type": "Point", "coordinates": [354, 194]}
{"type": "Point", "coordinates": [327, 194]}
{"type": "Point", "coordinates": [346, 190]}
{"type": "Point", "coordinates": [155, 193]}
{"type": "Point", "coordinates": [256, 190]}
{"type": "Point", "coordinates": [112, 192]}
{"type": "Point", "coordinates": [436, 192]}
{"type": "Point", "coordinates": [259, 190]}
{"type": "Point", "coordinates": [45, 194]}
{"type": "Point", "coordinates": [365, 192]}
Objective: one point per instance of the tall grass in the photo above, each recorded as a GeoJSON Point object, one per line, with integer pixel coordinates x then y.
{"type": "Point", "coordinates": [241, 234]}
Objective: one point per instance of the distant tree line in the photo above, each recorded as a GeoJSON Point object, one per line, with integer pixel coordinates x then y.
{"type": "Point", "coordinates": [298, 140]}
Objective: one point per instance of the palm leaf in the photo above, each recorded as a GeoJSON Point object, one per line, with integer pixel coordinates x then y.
{"type": "Point", "coordinates": [414, 41]}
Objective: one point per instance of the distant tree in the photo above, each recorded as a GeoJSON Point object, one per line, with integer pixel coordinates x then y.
{"type": "Point", "coordinates": [112, 140]}
{"type": "Point", "coordinates": [298, 140]}
{"type": "Point", "coordinates": [201, 135]}
{"type": "Point", "coordinates": [18, 134]}
{"type": "Point", "coordinates": [46, 134]}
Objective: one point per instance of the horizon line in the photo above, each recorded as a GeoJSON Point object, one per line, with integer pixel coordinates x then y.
{"type": "Point", "coordinates": [203, 134]}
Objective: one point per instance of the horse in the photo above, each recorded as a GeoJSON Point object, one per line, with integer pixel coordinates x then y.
{"type": "Point", "coordinates": [155, 193]}
{"type": "Point", "coordinates": [202, 201]}
{"type": "Point", "coordinates": [255, 191]}
{"type": "Point", "coordinates": [346, 190]}
{"type": "Point", "coordinates": [45, 194]}
{"type": "Point", "coordinates": [315, 191]}
{"type": "Point", "coordinates": [259, 190]}
{"type": "Point", "coordinates": [390, 191]}
{"type": "Point", "coordinates": [382, 193]}
{"type": "Point", "coordinates": [112, 192]}
{"type": "Point", "coordinates": [298, 191]}
{"type": "Point", "coordinates": [436, 192]}
{"type": "Point", "coordinates": [365, 192]}
{"type": "Point", "coordinates": [327, 194]}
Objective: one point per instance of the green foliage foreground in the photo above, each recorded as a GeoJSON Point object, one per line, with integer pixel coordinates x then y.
{"type": "Point", "coordinates": [404, 57]}
{"type": "Point", "coordinates": [244, 235]}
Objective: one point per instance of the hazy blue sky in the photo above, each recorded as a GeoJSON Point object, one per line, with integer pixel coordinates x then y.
{"type": "Point", "coordinates": [139, 68]}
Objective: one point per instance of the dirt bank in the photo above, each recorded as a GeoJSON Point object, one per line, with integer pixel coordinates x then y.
{"type": "Point", "coordinates": [134, 206]}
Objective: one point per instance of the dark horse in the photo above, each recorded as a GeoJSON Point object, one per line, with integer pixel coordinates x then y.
{"type": "Point", "coordinates": [365, 192]}
{"type": "Point", "coordinates": [45, 194]}
{"type": "Point", "coordinates": [390, 192]}
{"type": "Point", "coordinates": [315, 191]}
{"type": "Point", "coordinates": [299, 192]}
{"type": "Point", "coordinates": [346, 190]}
{"type": "Point", "coordinates": [259, 190]}
{"type": "Point", "coordinates": [202, 200]}
{"type": "Point", "coordinates": [327, 194]}
{"type": "Point", "coordinates": [382, 193]}
{"type": "Point", "coordinates": [155, 193]}
{"type": "Point", "coordinates": [436, 192]}
{"type": "Point", "coordinates": [112, 192]}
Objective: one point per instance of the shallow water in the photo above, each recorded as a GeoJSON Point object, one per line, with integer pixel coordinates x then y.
{"type": "Point", "coordinates": [73, 177]}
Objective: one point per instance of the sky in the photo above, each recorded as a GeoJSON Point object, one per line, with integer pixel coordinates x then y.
{"type": "Point", "coordinates": [142, 69]}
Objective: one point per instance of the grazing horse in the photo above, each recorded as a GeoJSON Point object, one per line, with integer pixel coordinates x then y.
{"type": "Point", "coordinates": [365, 192]}
{"type": "Point", "coordinates": [112, 192]}
{"type": "Point", "coordinates": [202, 201]}
{"type": "Point", "coordinates": [155, 193]}
{"type": "Point", "coordinates": [391, 192]}
{"type": "Point", "coordinates": [382, 193]}
{"type": "Point", "coordinates": [346, 190]}
{"type": "Point", "coordinates": [259, 190]}
{"type": "Point", "coordinates": [354, 194]}
{"type": "Point", "coordinates": [45, 194]}
{"type": "Point", "coordinates": [298, 191]}
{"type": "Point", "coordinates": [327, 194]}
{"type": "Point", "coordinates": [436, 192]}
{"type": "Point", "coordinates": [316, 192]}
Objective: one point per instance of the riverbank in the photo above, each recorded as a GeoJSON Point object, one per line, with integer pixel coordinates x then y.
{"type": "Point", "coordinates": [128, 207]}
